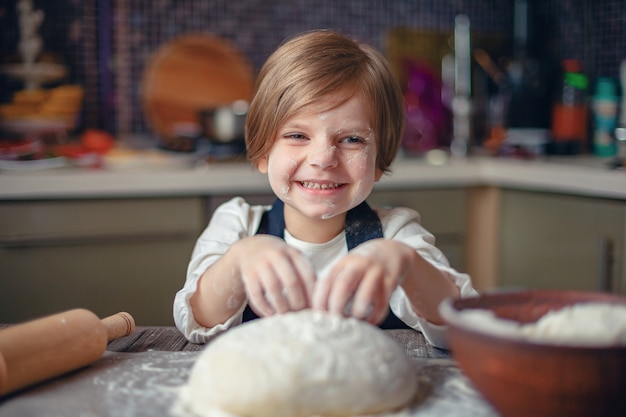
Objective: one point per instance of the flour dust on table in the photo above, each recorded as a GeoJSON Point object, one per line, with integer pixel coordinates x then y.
{"type": "Point", "coordinates": [301, 364]}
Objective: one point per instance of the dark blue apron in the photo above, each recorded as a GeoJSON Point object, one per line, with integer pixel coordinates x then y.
{"type": "Point", "coordinates": [362, 224]}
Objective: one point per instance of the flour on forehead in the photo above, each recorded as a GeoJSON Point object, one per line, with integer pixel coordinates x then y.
{"type": "Point", "coordinates": [301, 364]}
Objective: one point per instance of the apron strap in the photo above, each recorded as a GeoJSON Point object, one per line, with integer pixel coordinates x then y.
{"type": "Point", "coordinates": [362, 224]}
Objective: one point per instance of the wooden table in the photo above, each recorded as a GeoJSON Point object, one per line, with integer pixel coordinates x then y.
{"type": "Point", "coordinates": [169, 339]}
{"type": "Point", "coordinates": [144, 339]}
{"type": "Point", "coordinates": [140, 375]}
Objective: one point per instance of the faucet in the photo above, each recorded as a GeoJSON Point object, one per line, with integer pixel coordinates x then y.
{"type": "Point", "coordinates": [461, 103]}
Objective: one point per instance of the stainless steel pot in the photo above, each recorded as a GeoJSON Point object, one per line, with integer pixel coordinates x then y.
{"type": "Point", "coordinates": [224, 124]}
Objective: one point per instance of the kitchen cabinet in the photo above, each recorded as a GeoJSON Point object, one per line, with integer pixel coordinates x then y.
{"type": "Point", "coordinates": [561, 241]}
{"type": "Point", "coordinates": [554, 241]}
{"type": "Point", "coordinates": [104, 255]}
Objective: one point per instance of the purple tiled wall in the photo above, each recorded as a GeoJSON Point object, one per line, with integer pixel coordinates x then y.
{"type": "Point", "coordinates": [106, 43]}
{"type": "Point", "coordinates": [258, 27]}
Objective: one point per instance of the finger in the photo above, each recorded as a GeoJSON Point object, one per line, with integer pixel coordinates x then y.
{"type": "Point", "coordinates": [257, 300]}
{"type": "Point", "coordinates": [324, 287]}
{"type": "Point", "coordinates": [299, 281]}
{"type": "Point", "coordinates": [367, 295]}
{"type": "Point", "coordinates": [344, 286]}
{"type": "Point", "coordinates": [293, 295]}
{"type": "Point", "coordinates": [379, 313]}
{"type": "Point", "coordinates": [273, 292]}
{"type": "Point", "coordinates": [379, 308]}
{"type": "Point", "coordinates": [264, 289]}
{"type": "Point", "coordinates": [319, 300]}
{"type": "Point", "coordinates": [306, 275]}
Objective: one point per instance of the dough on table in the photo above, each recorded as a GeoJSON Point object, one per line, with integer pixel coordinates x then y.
{"type": "Point", "coordinates": [300, 364]}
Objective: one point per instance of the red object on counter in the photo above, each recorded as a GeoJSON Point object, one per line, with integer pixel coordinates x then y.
{"type": "Point", "coordinates": [79, 155]}
{"type": "Point", "coordinates": [20, 149]}
{"type": "Point", "coordinates": [569, 122]}
{"type": "Point", "coordinates": [98, 141]}
{"type": "Point", "coordinates": [570, 113]}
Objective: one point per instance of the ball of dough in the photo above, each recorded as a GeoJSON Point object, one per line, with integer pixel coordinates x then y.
{"type": "Point", "coordinates": [300, 364]}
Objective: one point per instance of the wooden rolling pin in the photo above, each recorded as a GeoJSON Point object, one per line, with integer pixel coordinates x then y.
{"type": "Point", "coordinates": [51, 346]}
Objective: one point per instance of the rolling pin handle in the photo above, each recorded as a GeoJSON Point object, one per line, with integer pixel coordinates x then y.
{"type": "Point", "coordinates": [3, 374]}
{"type": "Point", "coordinates": [118, 325]}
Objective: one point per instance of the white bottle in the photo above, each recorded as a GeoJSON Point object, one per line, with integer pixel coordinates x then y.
{"type": "Point", "coordinates": [620, 131]}
{"type": "Point", "coordinates": [605, 105]}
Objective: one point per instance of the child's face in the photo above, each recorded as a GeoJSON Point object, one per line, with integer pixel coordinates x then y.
{"type": "Point", "coordinates": [323, 162]}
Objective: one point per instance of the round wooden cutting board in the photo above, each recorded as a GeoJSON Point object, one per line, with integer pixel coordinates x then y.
{"type": "Point", "coordinates": [190, 73]}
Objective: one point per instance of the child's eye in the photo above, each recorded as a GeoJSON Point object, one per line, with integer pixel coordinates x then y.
{"type": "Point", "coordinates": [353, 139]}
{"type": "Point", "coordinates": [297, 136]}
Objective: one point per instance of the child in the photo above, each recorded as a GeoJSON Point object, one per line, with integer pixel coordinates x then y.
{"type": "Point", "coordinates": [324, 125]}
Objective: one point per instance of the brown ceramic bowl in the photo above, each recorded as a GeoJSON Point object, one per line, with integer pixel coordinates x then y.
{"type": "Point", "coordinates": [525, 378]}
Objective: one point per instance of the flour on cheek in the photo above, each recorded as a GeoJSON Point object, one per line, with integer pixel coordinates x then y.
{"type": "Point", "coordinates": [286, 186]}
{"type": "Point", "coordinates": [363, 186]}
{"type": "Point", "coordinates": [280, 176]}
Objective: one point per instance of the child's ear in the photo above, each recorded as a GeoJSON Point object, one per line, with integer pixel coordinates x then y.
{"type": "Point", "coordinates": [379, 173]}
{"type": "Point", "coordinates": [261, 165]}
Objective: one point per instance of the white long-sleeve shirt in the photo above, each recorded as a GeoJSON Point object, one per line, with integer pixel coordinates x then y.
{"type": "Point", "coordinates": [237, 219]}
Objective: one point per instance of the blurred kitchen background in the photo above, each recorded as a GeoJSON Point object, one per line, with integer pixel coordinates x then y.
{"type": "Point", "coordinates": [112, 227]}
{"type": "Point", "coordinates": [106, 44]}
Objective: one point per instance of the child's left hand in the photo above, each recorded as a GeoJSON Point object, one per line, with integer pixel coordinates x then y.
{"type": "Point", "coordinates": [361, 283]}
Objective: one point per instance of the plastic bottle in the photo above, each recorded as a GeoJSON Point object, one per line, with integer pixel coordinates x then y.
{"type": "Point", "coordinates": [570, 112]}
{"type": "Point", "coordinates": [620, 131]}
{"type": "Point", "coordinates": [605, 105]}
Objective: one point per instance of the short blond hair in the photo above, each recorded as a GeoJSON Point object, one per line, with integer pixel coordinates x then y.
{"type": "Point", "coordinates": [318, 65]}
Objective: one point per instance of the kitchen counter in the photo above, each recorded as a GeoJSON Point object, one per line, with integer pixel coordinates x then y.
{"type": "Point", "coordinates": [140, 375]}
{"type": "Point", "coordinates": [584, 176]}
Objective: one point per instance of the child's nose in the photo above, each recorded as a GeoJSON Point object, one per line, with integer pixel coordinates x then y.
{"type": "Point", "coordinates": [324, 156]}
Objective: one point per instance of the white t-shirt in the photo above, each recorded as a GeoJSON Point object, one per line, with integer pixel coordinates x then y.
{"type": "Point", "coordinates": [237, 219]}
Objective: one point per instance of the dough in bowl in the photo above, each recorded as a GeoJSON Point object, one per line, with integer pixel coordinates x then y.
{"type": "Point", "coordinates": [300, 364]}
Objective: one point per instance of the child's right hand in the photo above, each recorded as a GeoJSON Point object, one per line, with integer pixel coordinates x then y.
{"type": "Point", "coordinates": [277, 278]}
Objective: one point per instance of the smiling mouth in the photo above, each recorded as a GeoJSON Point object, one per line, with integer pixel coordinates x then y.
{"type": "Point", "coordinates": [319, 186]}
